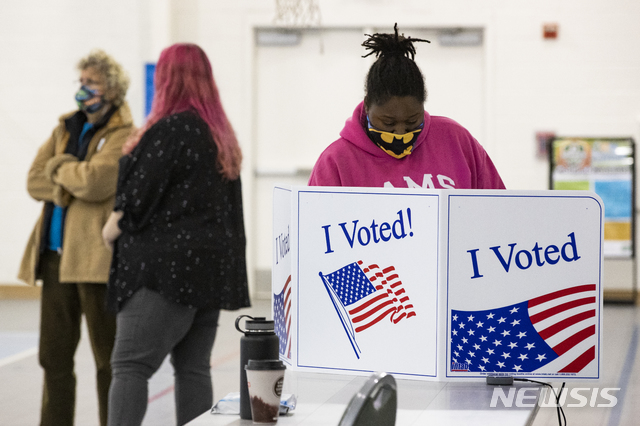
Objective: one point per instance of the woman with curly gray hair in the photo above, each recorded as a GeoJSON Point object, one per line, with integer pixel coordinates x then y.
{"type": "Point", "coordinates": [74, 174]}
{"type": "Point", "coordinates": [115, 81]}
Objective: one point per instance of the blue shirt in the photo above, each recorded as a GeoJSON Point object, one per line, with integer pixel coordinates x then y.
{"type": "Point", "coordinates": [57, 216]}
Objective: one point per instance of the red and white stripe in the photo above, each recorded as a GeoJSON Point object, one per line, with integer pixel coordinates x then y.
{"type": "Point", "coordinates": [566, 320]}
{"type": "Point", "coordinates": [287, 316]}
{"type": "Point", "coordinates": [389, 299]}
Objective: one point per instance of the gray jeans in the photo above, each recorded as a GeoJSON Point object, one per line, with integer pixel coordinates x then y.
{"type": "Point", "coordinates": [149, 327]}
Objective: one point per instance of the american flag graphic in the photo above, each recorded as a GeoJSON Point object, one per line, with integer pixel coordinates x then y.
{"type": "Point", "coordinates": [556, 331]}
{"type": "Point", "coordinates": [282, 318]}
{"type": "Point", "coordinates": [365, 295]}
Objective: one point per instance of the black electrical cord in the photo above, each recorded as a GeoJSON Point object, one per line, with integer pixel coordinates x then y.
{"type": "Point", "coordinates": [562, 421]}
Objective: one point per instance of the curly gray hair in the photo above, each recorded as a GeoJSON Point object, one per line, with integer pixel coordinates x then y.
{"type": "Point", "coordinates": [117, 80]}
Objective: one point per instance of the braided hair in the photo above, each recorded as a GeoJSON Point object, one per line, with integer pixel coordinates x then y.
{"type": "Point", "coordinates": [394, 73]}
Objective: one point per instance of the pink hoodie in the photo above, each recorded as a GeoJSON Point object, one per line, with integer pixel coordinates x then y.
{"type": "Point", "coordinates": [445, 156]}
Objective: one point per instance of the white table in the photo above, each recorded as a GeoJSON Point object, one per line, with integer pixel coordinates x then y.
{"type": "Point", "coordinates": [322, 399]}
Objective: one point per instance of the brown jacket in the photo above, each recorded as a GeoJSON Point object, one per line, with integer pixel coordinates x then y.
{"type": "Point", "coordinates": [87, 188]}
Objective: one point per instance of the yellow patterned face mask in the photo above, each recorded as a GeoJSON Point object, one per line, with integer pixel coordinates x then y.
{"type": "Point", "coordinates": [397, 146]}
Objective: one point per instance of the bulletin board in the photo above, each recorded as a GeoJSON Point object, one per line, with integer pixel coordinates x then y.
{"type": "Point", "coordinates": [606, 167]}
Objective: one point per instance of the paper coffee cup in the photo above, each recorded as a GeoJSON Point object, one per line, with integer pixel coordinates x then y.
{"type": "Point", "coordinates": [265, 379]}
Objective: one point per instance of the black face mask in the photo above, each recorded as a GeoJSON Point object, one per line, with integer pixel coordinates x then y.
{"type": "Point", "coordinates": [397, 146]}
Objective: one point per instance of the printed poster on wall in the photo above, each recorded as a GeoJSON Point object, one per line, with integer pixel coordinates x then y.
{"type": "Point", "coordinates": [367, 275]}
{"type": "Point", "coordinates": [524, 284]}
{"type": "Point", "coordinates": [606, 167]}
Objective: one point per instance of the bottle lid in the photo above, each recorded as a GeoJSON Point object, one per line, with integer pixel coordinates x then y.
{"type": "Point", "coordinates": [265, 364]}
{"type": "Point", "coordinates": [260, 324]}
{"type": "Point", "coordinates": [255, 325]}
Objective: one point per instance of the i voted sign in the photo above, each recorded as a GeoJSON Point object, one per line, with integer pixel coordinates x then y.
{"type": "Point", "coordinates": [281, 274]}
{"type": "Point", "coordinates": [524, 284]}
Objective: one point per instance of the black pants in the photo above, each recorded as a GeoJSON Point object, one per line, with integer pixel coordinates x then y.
{"type": "Point", "coordinates": [61, 312]}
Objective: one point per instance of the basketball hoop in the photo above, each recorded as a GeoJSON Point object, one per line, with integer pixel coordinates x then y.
{"type": "Point", "coordinates": [297, 13]}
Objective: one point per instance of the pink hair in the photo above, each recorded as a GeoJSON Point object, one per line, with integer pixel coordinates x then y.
{"type": "Point", "coordinates": [184, 81]}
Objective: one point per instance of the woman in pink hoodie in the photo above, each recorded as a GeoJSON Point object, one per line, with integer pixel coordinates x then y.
{"type": "Point", "coordinates": [391, 141]}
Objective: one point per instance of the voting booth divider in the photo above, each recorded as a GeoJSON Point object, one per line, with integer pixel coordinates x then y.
{"type": "Point", "coordinates": [438, 284]}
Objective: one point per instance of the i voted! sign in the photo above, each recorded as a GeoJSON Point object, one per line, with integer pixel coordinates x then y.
{"type": "Point", "coordinates": [367, 280]}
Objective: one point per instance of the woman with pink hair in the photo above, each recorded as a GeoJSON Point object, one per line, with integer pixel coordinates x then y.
{"type": "Point", "coordinates": [178, 238]}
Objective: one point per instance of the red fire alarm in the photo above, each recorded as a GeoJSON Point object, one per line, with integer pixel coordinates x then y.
{"type": "Point", "coordinates": [550, 31]}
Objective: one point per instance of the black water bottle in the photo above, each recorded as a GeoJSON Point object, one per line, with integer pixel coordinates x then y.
{"type": "Point", "coordinates": [259, 342]}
